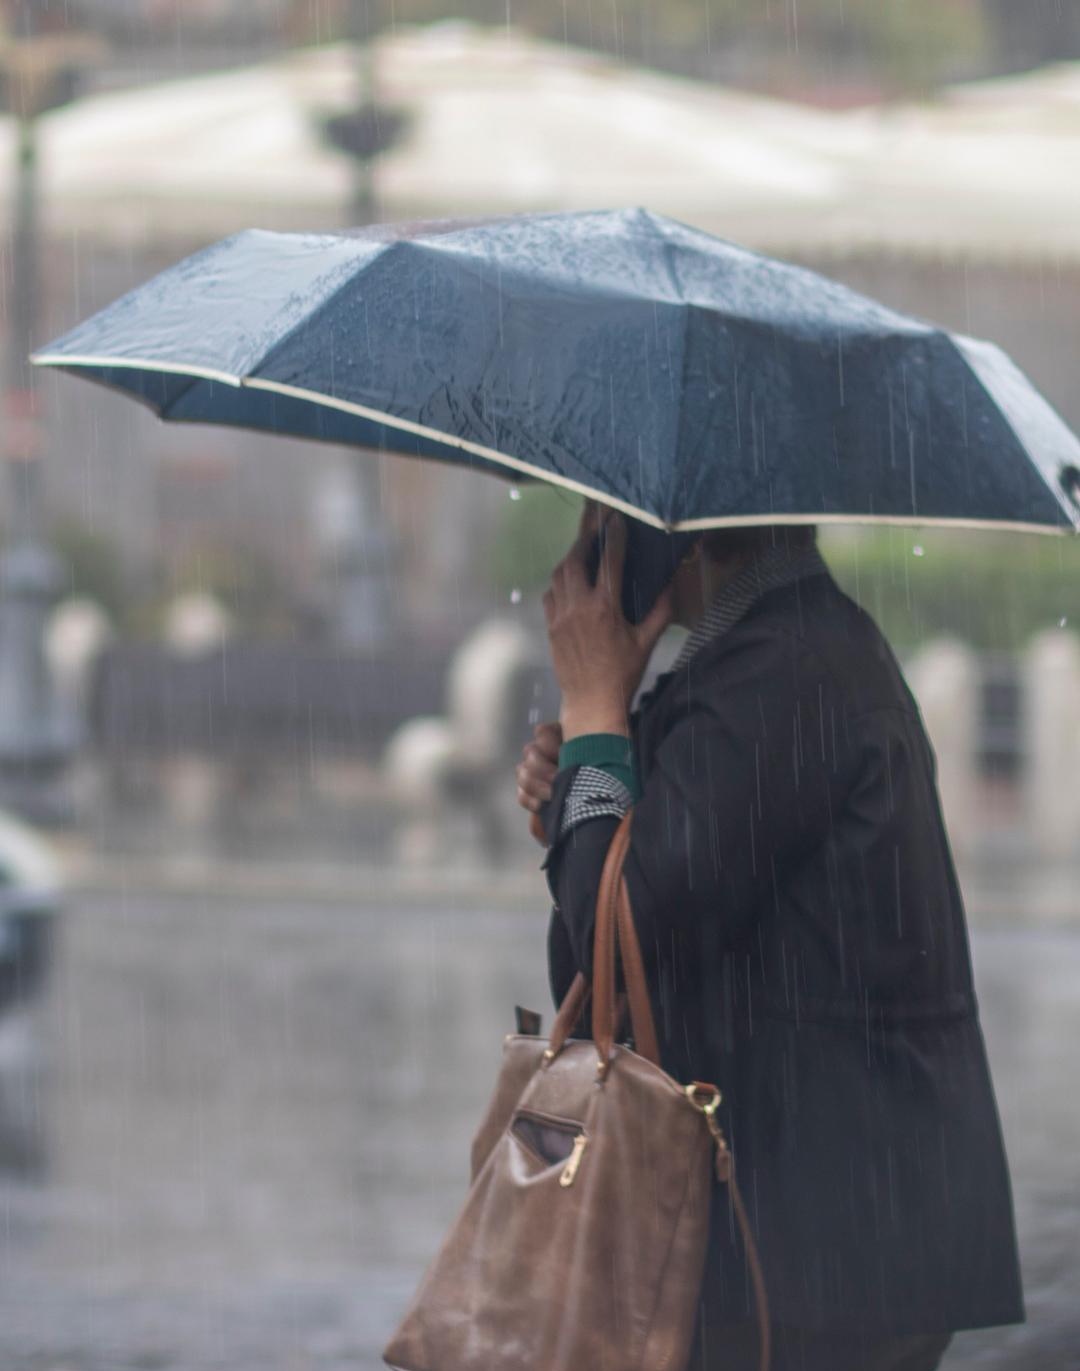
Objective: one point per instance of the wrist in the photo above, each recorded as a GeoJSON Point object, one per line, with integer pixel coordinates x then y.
{"type": "Point", "coordinates": [601, 716]}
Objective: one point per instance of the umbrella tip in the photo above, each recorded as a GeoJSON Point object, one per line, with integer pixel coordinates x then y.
{"type": "Point", "coordinates": [1069, 476]}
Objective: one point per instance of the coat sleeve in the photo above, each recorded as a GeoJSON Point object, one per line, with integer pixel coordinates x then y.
{"type": "Point", "coordinates": [746, 779]}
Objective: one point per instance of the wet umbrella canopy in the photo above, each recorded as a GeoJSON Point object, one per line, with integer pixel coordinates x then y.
{"type": "Point", "coordinates": [669, 374]}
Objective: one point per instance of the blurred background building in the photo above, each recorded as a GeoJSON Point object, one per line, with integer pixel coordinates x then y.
{"type": "Point", "coordinates": [839, 136]}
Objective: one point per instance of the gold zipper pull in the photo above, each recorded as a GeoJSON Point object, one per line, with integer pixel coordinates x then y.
{"type": "Point", "coordinates": [570, 1170]}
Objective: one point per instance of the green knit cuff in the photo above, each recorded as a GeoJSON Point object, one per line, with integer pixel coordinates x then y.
{"type": "Point", "coordinates": [610, 752]}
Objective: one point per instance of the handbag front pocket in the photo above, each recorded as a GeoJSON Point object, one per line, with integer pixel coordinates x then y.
{"type": "Point", "coordinates": [547, 1136]}
{"type": "Point", "coordinates": [550, 1140]}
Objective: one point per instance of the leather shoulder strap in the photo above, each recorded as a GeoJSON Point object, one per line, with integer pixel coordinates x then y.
{"type": "Point", "coordinates": [615, 932]}
{"type": "Point", "coordinates": [637, 985]}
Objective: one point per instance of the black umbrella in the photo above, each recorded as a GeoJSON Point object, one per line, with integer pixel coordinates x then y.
{"type": "Point", "coordinates": [681, 379]}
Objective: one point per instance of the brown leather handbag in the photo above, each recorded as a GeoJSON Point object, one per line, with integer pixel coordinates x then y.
{"type": "Point", "coordinates": [581, 1245]}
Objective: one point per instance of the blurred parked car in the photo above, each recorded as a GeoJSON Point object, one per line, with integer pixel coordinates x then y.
{"type": "Point", "coordinates": [30, 898]}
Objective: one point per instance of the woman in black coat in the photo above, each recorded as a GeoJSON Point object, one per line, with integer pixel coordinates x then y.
{"type": "Point", "coordinates": [796, 901]}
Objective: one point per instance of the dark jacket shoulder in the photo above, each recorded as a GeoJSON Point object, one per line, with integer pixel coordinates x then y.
{"type": "Point", "coordinates": [819, 621]}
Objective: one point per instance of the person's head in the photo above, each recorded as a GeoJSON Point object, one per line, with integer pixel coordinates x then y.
{"type": "Point", "coordinates": [720, 554]}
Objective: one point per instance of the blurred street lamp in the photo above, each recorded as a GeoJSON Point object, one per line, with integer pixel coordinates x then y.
{"type": "Point", "coordinates": [361, 565]}
{"type": "Point", "coordinates": [40, 62]}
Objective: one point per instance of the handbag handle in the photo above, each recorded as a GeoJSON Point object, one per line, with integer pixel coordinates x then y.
{"type": "Point", "coordinates": [621, 936]}
{"type": "Point", "coordinates": [614, 930]}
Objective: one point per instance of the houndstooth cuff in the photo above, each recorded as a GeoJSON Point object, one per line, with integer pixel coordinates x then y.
{"type": "Point", "coordinates": [593, 794]}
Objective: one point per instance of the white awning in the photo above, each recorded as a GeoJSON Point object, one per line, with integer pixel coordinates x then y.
{"type": "Point", "coordinates": [494, 123]}
{"type": "Point", "coordinates": [989, 169]}
{"type": "Point", "coordinates": [497, 123]}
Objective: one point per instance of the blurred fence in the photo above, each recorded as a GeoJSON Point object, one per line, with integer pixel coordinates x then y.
{"type": "Point", "coordinates": [1006, 732]}
{"type": "Point", "coordinates": [400, 756]}
{"type": "Point", "coordinates": [248, 748]}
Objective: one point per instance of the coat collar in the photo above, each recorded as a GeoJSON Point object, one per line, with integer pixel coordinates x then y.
{"type": "Point", "coordinates": [772, 569]}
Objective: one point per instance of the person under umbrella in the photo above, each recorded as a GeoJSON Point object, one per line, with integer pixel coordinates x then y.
{"type": "Point", "coordinates": [788, 868]}
{"type": "Point", "coordinates": [804, 935]}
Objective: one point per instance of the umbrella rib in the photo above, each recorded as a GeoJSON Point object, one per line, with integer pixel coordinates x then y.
{"type": "Point", "coordinates": [466, 445]}
{"type": "Point", "coordinates": [678, 407]}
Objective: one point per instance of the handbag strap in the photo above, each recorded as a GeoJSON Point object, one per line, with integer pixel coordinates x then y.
{"type": "Point", "coordinates": [757, 1279]}
{"type": "Point", "coordinates": [613, 931]}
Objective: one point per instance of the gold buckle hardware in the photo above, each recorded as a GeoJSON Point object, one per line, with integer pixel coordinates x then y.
{"type": "Point", "coordinates": [697, 1088]}
{"type": "Point", "coordinates": [708, 1108]}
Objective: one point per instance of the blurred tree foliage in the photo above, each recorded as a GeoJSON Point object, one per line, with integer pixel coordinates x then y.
{"type": "Point", "coordinates": [914, 44]}
{"type": "Point", "coordinates": [993, 590]}
{"type": "Point", "coordinates": [245, 581]}
{"type": "Point", "coordinates": [1036, 31]}
{"type": "Point", "coordinates": [910, 43]}
{"type": "Point", "coordinates": [92, 567]}
{"type": "Point", "coordinates": [533, 534]}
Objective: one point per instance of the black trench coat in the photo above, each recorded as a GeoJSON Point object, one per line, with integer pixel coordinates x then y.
{"type": "Point", "coordinates": [805, 938]}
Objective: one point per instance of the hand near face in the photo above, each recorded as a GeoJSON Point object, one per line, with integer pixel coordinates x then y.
{"type": "Point", "coordinates": [598, 656]}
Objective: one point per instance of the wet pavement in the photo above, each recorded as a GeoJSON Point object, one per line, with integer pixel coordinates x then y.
{"type": "Point", "coordinates": [257, 1113]}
